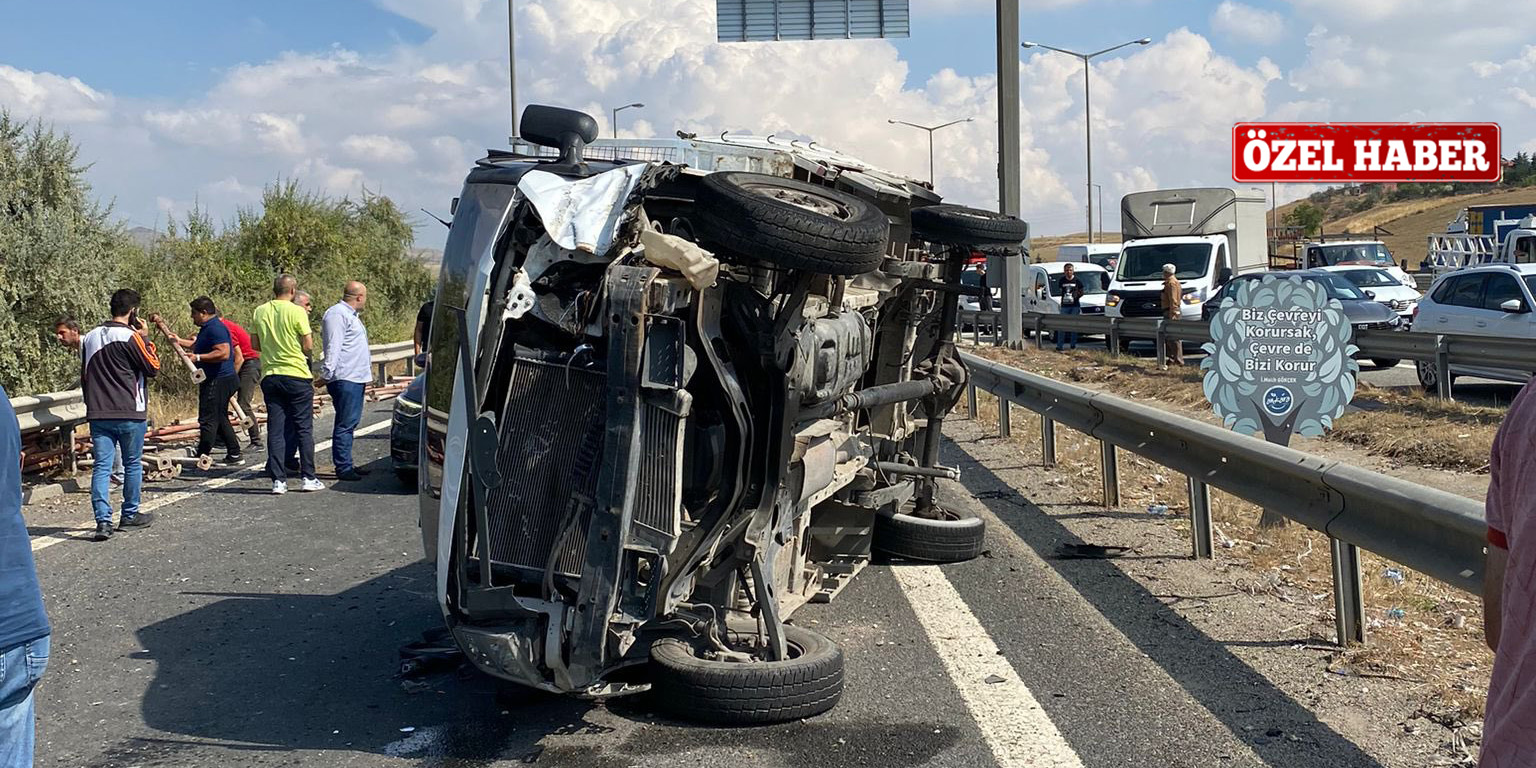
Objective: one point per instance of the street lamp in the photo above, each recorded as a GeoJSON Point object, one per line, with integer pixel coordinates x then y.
{"type": "Point", "coordinates": [930, 131]}
{"type": "Point", "coordinates": [1087, 109]}
{"type": "Point", "coordinates": [616, 111]}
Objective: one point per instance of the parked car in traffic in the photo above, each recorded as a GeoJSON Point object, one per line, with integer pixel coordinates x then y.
{"type": "Point", "coordinates": [1488, 300]}
{"type": "Point", "coordinates": [1362, 311]}
{"type": "Point", "coordinates": [405, 430]}
{"type": "Point", "coordinates": [1382, 286]}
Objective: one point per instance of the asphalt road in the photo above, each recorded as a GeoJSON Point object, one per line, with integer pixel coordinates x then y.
{"type": "Point", "coordinates": [245, 629]}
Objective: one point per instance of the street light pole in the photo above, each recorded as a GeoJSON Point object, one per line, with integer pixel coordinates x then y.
{"type": "Point", "coordinates": [1088, 108]}
{"type": "Point", "coordinates": [1100, 235]}
{"type": "Point", "coordinates": [616, 111]}
{"type": "Point", "coordinates": [930, 131]}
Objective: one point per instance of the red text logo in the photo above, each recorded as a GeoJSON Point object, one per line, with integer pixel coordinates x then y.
{"type": "Point", "coordinates": [1359, 152]}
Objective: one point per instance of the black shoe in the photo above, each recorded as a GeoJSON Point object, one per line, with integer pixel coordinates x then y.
{"type": "Point", "coordinates": [361, 471]}
{"type": "Point", "coordinates": [292, 467]}
{"type": "Point", "coordinates": [103, 532]}
{"type": "Point", "coordinates": [351, 475]}
{"type": "Point", "coordinates": [235, 460]}
{"type": "Point", "coordinates": [257, 442]}
{"type": "Point", "coordinates": [141, 520]}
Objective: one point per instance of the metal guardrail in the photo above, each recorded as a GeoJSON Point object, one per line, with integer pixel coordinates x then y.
{"type": "Point", "coordinates": [1430, 530]}
{"type": "Point", "coordinates": [1441, 350]}
{"type": "Point", "coordinates": [66, 409]}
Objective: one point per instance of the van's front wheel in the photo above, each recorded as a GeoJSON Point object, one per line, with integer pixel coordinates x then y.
{"type": "Point", "coordinates": [689, 684]}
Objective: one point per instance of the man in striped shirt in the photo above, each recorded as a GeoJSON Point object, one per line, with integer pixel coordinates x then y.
{"type": "Point", "coordinates": [116, 364]}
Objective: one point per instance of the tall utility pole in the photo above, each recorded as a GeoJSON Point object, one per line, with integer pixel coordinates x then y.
{"type": "Point", "coordinates": [1088, 106]}
{"type": "Point", "coordinates": [617, 110]}
{"type": "Point", "coordinates": [1094, 238]}
{"type": "Point", "coordinates": [512, 63]}
{"type": "Point", "coordinates": [1008, 158]}
{"type": "Point", "coordinates": [930, 137]}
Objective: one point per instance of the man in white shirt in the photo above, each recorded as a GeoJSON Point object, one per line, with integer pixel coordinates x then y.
{"type": "Point", "coordinates": [346, 371]}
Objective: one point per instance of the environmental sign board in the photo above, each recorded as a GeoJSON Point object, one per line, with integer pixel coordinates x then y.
{"type": "Point", "coordinates": [1280, 359]}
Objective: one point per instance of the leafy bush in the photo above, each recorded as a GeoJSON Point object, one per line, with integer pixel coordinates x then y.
{"type": "Point", "coordinates": [60, 253]}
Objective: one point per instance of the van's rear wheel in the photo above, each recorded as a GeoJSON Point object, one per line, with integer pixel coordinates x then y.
{"type": "Point", "coordinates": [690, 685]}
{"type": "Point", "coordinates": [950, 538]}
{"type": "Point", "coordinates": [791, 224]}
{"type": "Point", "coordinates": [1429, 376]}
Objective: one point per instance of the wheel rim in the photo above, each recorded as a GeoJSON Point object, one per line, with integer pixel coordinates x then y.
{"type": "Point", "coordinates": [1427, 375]}
{"type": "Point", "coordinates": [805, 200]}
{"type": "Point", "coordinates": [757, 652]}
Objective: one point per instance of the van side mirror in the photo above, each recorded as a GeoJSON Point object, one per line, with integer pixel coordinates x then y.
{"type": "Point", "coordinates": [1224, 276]}
{"type": "Point", "coordinates": [1370, 294]}
{"type": "Point", "coordinates": [567, 130]}
{"type": "Point", "coordinates": [1513, 306]}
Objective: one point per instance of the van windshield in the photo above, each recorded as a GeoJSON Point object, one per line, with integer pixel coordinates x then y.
{"type": "Point", "coordinates": [1355, 253]}
{"type": "Point", "coordinates": [1093, 282]}
{"type": "Point", "coordinates": [1145, 262]}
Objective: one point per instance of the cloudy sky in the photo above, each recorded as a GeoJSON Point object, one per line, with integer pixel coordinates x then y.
{"type": "Point", "coordinates": [175, 102]}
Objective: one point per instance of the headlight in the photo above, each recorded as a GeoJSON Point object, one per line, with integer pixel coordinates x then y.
{"type": "Point", "coordinates": [407, 408]}
{"type": "Point", "coordinates": [1192, 298]}
{"type": "Point", "coordinates": [1113, 300]}
{"type": "Point", "coordinates": [1395, 321]}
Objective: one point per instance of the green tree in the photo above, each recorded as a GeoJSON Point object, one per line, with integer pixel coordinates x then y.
{"type": "Point", "coordinates": [59, 254]}
{"type": "Point", "coordinates": [1307, 216]}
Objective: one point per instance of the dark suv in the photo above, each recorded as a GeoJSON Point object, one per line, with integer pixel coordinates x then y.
{"type": "Point", "coordinates": [668, 406]}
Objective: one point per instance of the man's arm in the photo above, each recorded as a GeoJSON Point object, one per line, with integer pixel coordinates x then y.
{"type": "Point", "coordinates": [417, 337]}
{"type": "Point", "coordinates": [219, 354]}
{"type": "Point", "coordinates": [1493, 592]}
{"type": "Point", "coordinates": [239, 358]}
{"type": "Point", "coordinates": [143, 357]}
{"type": "Point", "coordinates": [333, 328]}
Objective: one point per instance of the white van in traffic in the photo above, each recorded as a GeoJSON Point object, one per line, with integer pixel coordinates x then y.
{"type": "Point", "coordinates": [1042, 287]}
{"type": "Point", "coordinates": [1102, 254]}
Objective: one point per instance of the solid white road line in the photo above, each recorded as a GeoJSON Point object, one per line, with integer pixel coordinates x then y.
{"type": "Point", "coordinates": [48, 540]}
{"type": "Point", "coordinates": [1017, 730]}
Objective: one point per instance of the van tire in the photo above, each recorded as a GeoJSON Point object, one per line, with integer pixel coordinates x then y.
{"type": "Point", "coordinates": [959, 225]}
{"type": "Point", "coordinates": [1384, 362]}
{"type": "Point", "coordinates": [748, 693]}
{"type": "Point", "coordinates": [952, 539]}
{"type": "Point", "coordinates": [755, 217]}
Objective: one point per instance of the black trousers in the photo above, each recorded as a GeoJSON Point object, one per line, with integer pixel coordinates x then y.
{"type": "Point", "coordinates": [213, 414]}
{"type": "Point", "coordinates": [290, 418]}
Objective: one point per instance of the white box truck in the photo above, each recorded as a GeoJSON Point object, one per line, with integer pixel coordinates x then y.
{"type": "Point", "coordinates": [1102, 254]}
{"type": "Point", "coordinates": [1209, 234]}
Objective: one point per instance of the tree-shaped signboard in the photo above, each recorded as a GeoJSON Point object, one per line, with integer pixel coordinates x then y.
{"type": "Point", "coordinates": [1280, 361]}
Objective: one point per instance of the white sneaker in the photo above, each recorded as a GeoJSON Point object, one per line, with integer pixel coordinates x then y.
{"type": "Point", "coordinates": [312, 484]}
{"type": "Point", "coordinates": [279, 487]}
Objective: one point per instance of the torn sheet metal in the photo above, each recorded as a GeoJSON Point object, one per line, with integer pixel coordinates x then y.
{"type": "Point", "coordinates": [583, 214]}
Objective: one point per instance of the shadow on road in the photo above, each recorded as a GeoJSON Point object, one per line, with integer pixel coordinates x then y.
{"type": "Point", "coordinates": [280, 672]}
{"type": "Point", "coordinates": [1244, 700]}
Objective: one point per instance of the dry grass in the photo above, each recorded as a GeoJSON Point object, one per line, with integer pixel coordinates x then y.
{"type": "Point", "coordinates": [1408, 427]}
{"type": "Point", "coordinates": [1421, 630]}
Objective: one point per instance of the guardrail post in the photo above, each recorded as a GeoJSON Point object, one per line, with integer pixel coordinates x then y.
{"type": "Point", "coordinates": [1047, 441]}
{"type": "Point", "coordinates": [997, 331]}
{"type": "Point", "coordinates": [1004, 417]}
{"type": "Point", "coordinates": [970, 399]}
{"type": "Point", "coordinates": [1113, 339]}
{"type": "Point", "coordinates": [1443, 368]}
{"type": "Point", "coordinates": [1162, 344]}
{"type": "Point", "coordinates": [1200, 519]}
{"type": "Point", "coordinates": [1111, 470]}
{"type": "Point", "coordinates": [1348, 596]}
{"type": "Point", "coordinates": [976, 329]}
{"type": "Point", "coordinates": [1040, 332]}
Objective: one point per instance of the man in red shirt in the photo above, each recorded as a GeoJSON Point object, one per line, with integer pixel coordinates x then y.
{"type": "Point", "coordinates": [1509, 590]}
{"type": "Point", "coordinates": [248, 368]}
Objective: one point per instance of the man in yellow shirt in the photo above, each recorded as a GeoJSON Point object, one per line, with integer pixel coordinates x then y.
{"type": "Point", "coordinates": [280, 332]}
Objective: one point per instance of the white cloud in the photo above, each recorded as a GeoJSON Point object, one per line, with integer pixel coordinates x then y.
{"type": "Point", "coordinates": [410, 121]}
{"type": "Point", "coordinates": [51, 97]}
{"type": "Point", "coordinates": [378, 149]}
{"type": "Point", "coordinates": [1247, 24]}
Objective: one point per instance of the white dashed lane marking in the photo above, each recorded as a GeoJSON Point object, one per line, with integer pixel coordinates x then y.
{"type": "Point", "coordinates": [1011, 720]}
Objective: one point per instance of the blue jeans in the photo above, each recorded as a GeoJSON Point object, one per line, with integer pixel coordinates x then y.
{"type": "Point", "coordinates": [21, 667]}
{"type": "Point", "coordinates": [108, 437]}
{"type": "Point", "coordinates": [289, 403]}
{"type": "Point", "coordinates": [347, 399]}
{"type": "Point", "coordinates": [1069, 337]}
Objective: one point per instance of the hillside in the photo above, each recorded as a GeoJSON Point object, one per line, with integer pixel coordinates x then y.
{"type": "Point", "coordinates": [1412, 221]}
